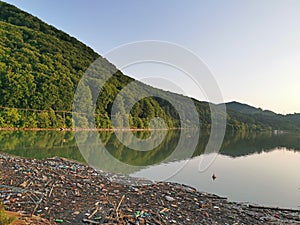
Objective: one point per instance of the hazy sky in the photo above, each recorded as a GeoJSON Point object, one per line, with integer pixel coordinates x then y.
{"type": "Point", "coordinates": [252, 47]}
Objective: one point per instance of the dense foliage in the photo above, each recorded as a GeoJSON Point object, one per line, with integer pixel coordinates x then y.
{"type": "Point", "coordinates": [257, 117]}
{"type": "Point", "coordinates": [40, 69]}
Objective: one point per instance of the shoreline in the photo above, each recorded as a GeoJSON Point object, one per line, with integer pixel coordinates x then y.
{"type": "Point", "coordinates": [63, 191]}
{"type": "Point", "coordinates": [86, 129]}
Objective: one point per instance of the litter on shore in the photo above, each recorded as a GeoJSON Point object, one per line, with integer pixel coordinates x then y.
{"type": "Point", "coordinates": [60, 191]}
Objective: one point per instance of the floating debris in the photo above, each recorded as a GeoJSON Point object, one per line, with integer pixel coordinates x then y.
{"type": "Point", "coordinates": [214, 177]}
{"type": "Point", "coordinates": [65, 192]}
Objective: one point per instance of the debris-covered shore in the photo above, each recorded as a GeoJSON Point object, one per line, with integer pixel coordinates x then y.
{"type": "Point", "coordinates": [59, 191]}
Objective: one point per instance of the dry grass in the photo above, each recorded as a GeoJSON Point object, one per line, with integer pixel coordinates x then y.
{"type": "Point", "coordinates": [4, 218]}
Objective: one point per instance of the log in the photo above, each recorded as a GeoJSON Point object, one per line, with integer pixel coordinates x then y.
{"type": "Point", "coordinates": [273, 208]}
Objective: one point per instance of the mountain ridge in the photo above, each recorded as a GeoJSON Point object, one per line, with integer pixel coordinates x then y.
{"type": "Point", "coordinates": [267, 116]}
{"type": "Point", "coordinates": [247, 108]}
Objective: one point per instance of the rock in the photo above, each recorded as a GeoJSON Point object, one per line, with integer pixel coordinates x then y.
{"type": "Point", "coordinates": [76, 213]}
{"type": "Point", "coordinates": [169, 198]}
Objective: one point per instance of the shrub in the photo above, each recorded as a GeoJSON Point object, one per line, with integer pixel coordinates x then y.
{"type": "Point", "coordinates": [4, 218]}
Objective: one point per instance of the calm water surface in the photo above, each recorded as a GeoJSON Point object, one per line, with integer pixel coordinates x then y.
{"type": "Point", "coordinates": [259, 168]}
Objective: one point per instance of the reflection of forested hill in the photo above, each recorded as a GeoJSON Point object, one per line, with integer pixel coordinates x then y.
{"type": "Point", "coordinates": [242, 144]}
{"type": "Point", "coordinates": [45, 144]}
{"type": "Point", "coordinates": [40, 144]}
{"type": "Point", "coordinates": [237, 144]}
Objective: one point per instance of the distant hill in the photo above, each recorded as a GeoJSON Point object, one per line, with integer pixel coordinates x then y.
{"type": "Point", "coordinates": [247, 109]}
{"type": "Point", "coordinates": [249, 114]}
{"type": "Point", "coordinates": [294, 118]}
{"type": "Point", "coordinates": [40, 69]}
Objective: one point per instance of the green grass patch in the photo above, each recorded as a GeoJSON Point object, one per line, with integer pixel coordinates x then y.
{"type": "Point", "coordinates": [4, 218]}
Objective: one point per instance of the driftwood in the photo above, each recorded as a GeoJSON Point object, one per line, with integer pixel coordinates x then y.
{"type": "Point", "coordinates": [216, 197]}
{"type": "Point", "coordinates": [273, 208]}
{"type": "Point", "coordinates": [90, 221]}
{"type": "Point", "coordinates": [119, 205]}
{"type": "Point", "coordinates": [96, 210]}
{"type": "Point", "coordinates": [51, 190]}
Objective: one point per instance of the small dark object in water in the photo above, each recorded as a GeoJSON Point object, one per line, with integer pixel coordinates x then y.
{"type": "Point", "coordinates": [214, 177]}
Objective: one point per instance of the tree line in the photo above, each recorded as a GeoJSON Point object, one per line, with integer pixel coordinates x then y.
{"type": "Point", "coordinates": [40, 69]}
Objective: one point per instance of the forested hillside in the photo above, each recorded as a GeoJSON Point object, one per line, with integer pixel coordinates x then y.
{"type": "Point", "coordinates": [40, 69]}
{"type": "Point", "coordinates": [249, 114]}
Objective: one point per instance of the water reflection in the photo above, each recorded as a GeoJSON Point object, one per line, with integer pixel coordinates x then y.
{"type": "Point", "coordinates": [255, 167]}
{"type": "Point", "coordinates": [40, 144]}
{"type": "Point", "coordinates": [109, 153]}
{"type": "Point", "coordinates": [44, 144]}
{"type": "Point", "coordinates": [243, 144]}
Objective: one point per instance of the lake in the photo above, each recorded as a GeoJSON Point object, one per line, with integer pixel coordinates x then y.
{"type": "Point", "coordinates": [262, 168]}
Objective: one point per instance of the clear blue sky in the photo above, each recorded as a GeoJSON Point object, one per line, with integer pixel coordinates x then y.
{"type": "Point", "coordinates": [252, 47]}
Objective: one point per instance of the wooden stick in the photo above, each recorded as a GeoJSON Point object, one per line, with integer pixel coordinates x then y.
{"type": "Point", "coordinates": [90, 221]}
{"type": "Point", "coordinates": [51, 190]}
{"type": "Point", "coordinates": [96, 210]}
{"type": "Point", "coordinates": [216, 197]}
{"type": "Point", "coordinates": [119, 205]}
{"type": "Point", "coordinates": [273, 208]}
{"type": "Point", "coordinates": [35, 208]}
